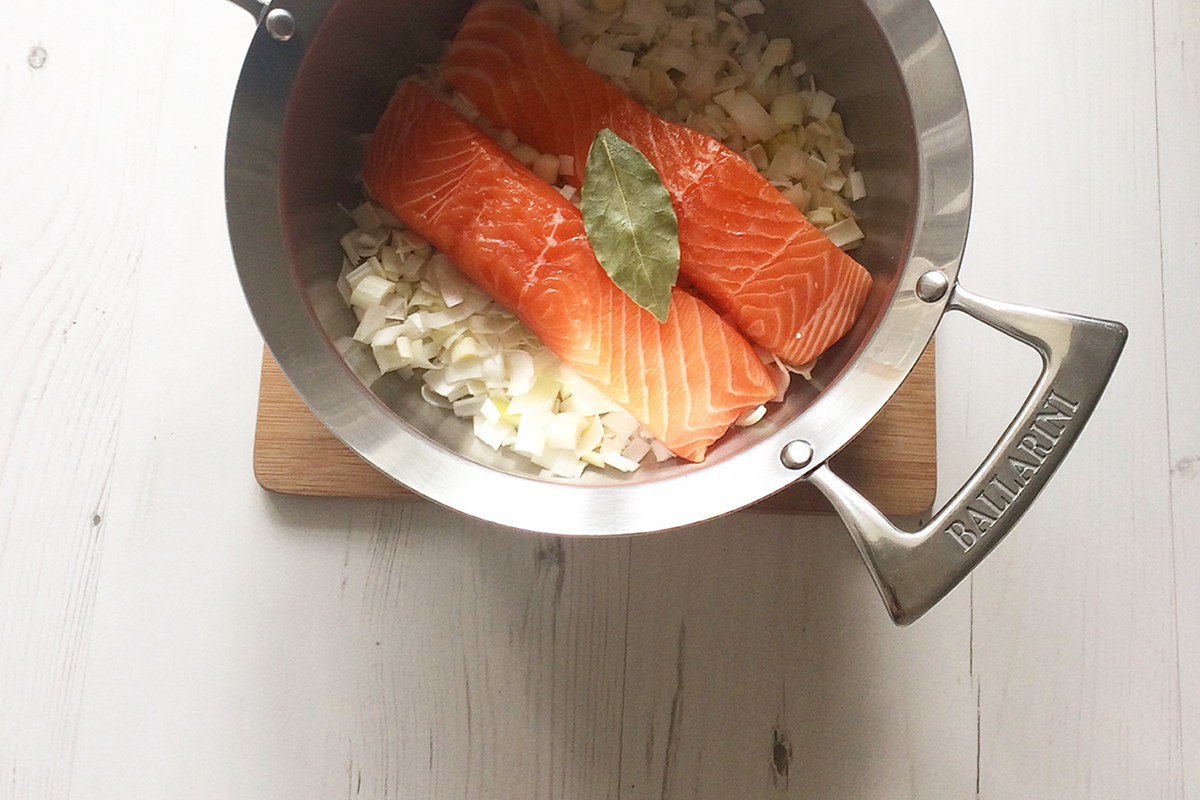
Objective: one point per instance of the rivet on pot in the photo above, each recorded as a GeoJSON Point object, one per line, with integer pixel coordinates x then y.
{"type": "Point", "coordinates": [281, 24]}
{"type": "Point", "coordinates": [796, 454]}
{"type": "Point", "coordinates": [932, 286]}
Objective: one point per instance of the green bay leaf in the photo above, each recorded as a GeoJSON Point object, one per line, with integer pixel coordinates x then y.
{"type": "Point", "coordinates": [630, 222]}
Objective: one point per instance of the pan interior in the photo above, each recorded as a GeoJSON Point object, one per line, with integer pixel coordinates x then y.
{"type": "Point", "coordinates": [362, 48]}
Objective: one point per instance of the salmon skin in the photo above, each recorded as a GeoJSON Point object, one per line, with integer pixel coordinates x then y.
{"type": "Point", "coordinates": [687, 379]}
{"type": "Point", "coordinates": [742, 244]}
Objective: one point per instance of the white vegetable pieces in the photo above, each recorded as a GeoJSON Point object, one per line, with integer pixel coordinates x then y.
{"type": "Point", "coordinates": [419, 316]}
{"type": "Point", "coordinates": [698, 63]}
{"type": "Point", "coordinates": [695, 62]}
{"type": "Point", "coordinates": [752, 119]}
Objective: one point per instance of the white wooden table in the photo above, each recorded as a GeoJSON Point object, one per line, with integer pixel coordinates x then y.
{"type": "Point", "coordinates": [168, 630]}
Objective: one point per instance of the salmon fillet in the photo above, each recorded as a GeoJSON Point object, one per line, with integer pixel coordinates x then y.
{"type": "Point", "coordinates": [743, 245]}
{"type": "Point", "coordinates": [687, 379]}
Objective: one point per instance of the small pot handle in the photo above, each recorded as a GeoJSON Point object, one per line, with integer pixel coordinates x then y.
{"type": "Point", "coordinates": [256, 7]}
{"type": "Point", "coordinates": [279, 22]}
{"type": "Point", "coordinates": [913, 571]}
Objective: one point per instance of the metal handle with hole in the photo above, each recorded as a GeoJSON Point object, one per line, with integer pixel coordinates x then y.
{"type": "Point", "coordinates": [280, 23]}
{"type": "Point", "coordinates": [913, 571]}
{"type": "Point", "coordinates": [255, 7]}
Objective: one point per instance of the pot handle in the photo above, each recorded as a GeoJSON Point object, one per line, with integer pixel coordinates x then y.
{"type": "Point", "coordinates": [913, 571]}
{"type": "Point", "coordinates": [280, 23]}
{"type": "Point", "coordinates": [255, 7]}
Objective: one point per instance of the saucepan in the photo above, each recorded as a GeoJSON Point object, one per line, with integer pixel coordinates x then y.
{"type": "Point", "coordinates": [316, 78]}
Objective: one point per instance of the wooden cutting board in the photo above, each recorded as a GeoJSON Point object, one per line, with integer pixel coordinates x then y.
{"type": "Point", "coordinates": [893, 462]}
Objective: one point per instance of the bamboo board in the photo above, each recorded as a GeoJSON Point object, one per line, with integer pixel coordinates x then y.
{"type": "Point", "coordinates": [893, 462]}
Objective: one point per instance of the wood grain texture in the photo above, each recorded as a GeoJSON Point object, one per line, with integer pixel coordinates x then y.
{"type": "Point", "coordinates": [1177, 69]}
{"type": "Point", "coordinates": [759, 664]}
{"type": "Point", "coordinates": [209, 639]}
{"type": "Point", "coordinates": [550, 616]}
{"type": "Point", "coordinates": [73, 214]}
{"type": "Point", "coordinates": [893, 462]}
{"type": "Point", "coordinates": [1072, 630]}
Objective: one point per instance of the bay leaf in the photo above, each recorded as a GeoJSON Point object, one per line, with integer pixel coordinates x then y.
{"type": "Point", "coordinates": [630, 222]}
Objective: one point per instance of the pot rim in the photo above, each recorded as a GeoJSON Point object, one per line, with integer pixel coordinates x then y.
{"type": "Point", "coordinates": [941, 128]}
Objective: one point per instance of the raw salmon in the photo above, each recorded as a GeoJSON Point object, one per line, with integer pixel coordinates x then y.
{"type": "Point", "coordinates": [687, 379]}
{"type": "Point", "coordinates": [742, 244]}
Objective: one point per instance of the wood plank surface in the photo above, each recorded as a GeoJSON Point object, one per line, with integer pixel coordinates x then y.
{"type": "Point", "coordinates": [1177, 99]}
{"type": "Point", "coordinates": [168, 629]}
{"type": "Point", "coordinates": [893, 462]}
{"type": "Point", "coordinates": [73, 215]}
{"type": "Point", "coordinates": [759, 664]}
{"type": "Point", "coordinates": [1073, 634]}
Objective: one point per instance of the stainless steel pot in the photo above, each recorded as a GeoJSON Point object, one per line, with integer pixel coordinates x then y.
{"type": "Point", "coordinates": [318, 75]}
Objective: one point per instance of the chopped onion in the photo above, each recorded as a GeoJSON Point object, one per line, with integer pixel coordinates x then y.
{"type": "Point", "coordinates": [389, 359]}
{"type": "Point", "coordinates": [469, 406]}
{"type": "Point", "coordinates": [788, 164]}
{"type": "Point", "coordinates": [834, 182]}
{"type": "Point", "coordinates": [777, 53]}
{"type": "Point", "coordinates": [757, 156]}
{"type": "Point", "coordinates": [751, 417]}
{"type": "Point", "coordinates": [797, 197]}
{"type": "Point", "coordinates": [466, 369]}
{"type": "Point", "coordinates": [591, 437]}
{"type": "Point", "coordinates": [645, 16]}
{"type": "Point", "coordinates": [460, 103]}
{"type": "Point", "coordinates": [619, 461]}
{"type": "Point", "coordinates": [521, 373]}
{"type": "Point", "coordinates": [355, 276]}
{"type": "Point", "coordinates": [541, 396]}
{"type": "Point", "coordinates": [531, 433]}
{"type": "Point", "coordinates": [821, 106]}
{"type": "Point", "coordinates": [746, 8]}
{"type": "Point", "coordinates": [434, 399]}
{"type": "Point", "coordinates": [691, 61]}
{"type": "Point", "coordinates": [675, 57]}
{"type": "Point", "coordinates": [452, 285]}
{"type": "Point", "coordinates": [788, 110]}
{"type": "Point", "coordinates": [370, 291]}
{"type": "Point", "coordinates": [525, 154]}
{"type": "Point", "coordinates": [821, 216]}
{"type": "Point", "coordinates": [637, 449]}
{"type": "Point", "coordinates": [562, 463]}
{"type": "Point", "coordinates": [385, 337]}
{"type": "Point", "coordinates": [783, 381]}
{"type": "Point", "coordinates": [366, 217]}
{"type": "Point", "coordinates": [751, 118]}
{"type": "Point", "coordinates": [392, 263]}
{"type": "Point", "coordinates": [844, 233]}
{"type": "Point", "coordinates": [466, 347]}
{"type": "Point", "coordinates": [593, 458]}
{"type": "Point", "coordinates": [661, 453]}
{"type": "Point", "coordinates": [491, 411]}
{"type": "Point", "coordinates": [609, 61]}
{"type": "Point", "coordinates": [373, 319]}
{"type": "Point", "coordinates": [546, 167]}
{"type": "Point", "coordinates": [414, 240]}
{"type": "Point", "coordinates": [564, 431]}
{"type": "Point", "coordinates": [858, 187]}
{"type": "Point", "coordinates": [493, 434]}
